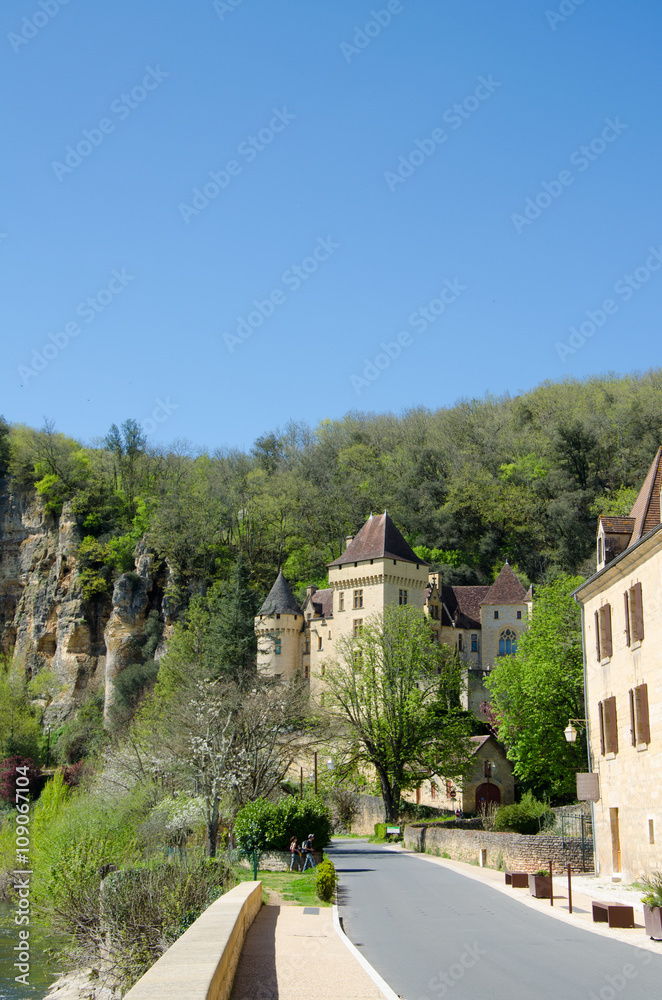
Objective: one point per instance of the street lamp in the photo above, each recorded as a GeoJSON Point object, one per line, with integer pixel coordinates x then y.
{"type": "Point", "coordinates": [570, 732]}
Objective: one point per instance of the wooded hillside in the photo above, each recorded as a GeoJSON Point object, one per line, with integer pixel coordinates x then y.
{"type": "Point", "coordinates": [522, 477]}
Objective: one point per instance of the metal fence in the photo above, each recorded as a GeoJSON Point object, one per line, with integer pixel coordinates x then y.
{"type": "Point", "coordinates": [577, 836]}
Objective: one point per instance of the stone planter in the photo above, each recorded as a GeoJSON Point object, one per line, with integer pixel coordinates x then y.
{"type": "Point", "coordinates": [653, 921]}
{"type": "Point", "coordinates": [540, 886]}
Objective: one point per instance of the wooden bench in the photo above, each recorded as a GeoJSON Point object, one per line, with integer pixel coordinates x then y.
{"type": "Point", "coordinates": [518, 880]}
{"type": "Point", "coordinates": [614, 914]}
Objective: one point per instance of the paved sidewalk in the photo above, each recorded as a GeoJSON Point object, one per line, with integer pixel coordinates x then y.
{"type": "Point", "coordinates": [295, 953]}
{"type": "Point", "coordinates": [585, 889]}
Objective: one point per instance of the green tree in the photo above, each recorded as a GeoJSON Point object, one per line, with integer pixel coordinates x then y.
{"type": "Point", "coordinates": [397, 694]}
{"type": "Point", "coordinates": [535, 692]}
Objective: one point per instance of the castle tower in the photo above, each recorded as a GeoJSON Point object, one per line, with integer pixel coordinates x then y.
{"type": "Point", "coordinates": [504, 613]}
{"type": "Point", "coordinates": [278, 625]}
{"type": "Point", "coordinates": [378, 568]}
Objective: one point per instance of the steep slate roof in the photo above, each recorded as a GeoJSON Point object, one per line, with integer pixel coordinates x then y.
{"type": "Point", "coordinates": [646, 510]}
{"type": "Point", "coordinates": [322, 601]}
{"type": "Point", "coordinates": [281, 600]}
{"type": "Point", "coordinates": [506, 589]}
{"type": "Point", "coordinates": [378, 539]}
{"type": "Point", "coordinates": [463, 605]}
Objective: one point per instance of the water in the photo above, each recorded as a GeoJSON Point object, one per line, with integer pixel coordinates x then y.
{"type": "Point", "coordinates": [44, 969]}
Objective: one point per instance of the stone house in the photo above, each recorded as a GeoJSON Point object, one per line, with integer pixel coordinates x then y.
{"type": "Point", "coordinates": [622, 627]}
{"type": "Point", "coordinates": [491, 781]}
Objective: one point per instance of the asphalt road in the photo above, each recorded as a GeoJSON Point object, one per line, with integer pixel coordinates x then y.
{"type": "Point", "coordinates": [431, 933]}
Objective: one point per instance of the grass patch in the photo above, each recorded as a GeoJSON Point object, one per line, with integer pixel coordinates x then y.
{"type": "Point", "coordinates": [293, 887]}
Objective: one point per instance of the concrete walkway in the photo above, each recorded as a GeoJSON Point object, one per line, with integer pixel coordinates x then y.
{"type": "Point", "coordinates": [295, 953]}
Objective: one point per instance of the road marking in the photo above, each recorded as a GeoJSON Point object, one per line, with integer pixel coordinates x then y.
{"type": "Point", "coordinates": [363, 962]}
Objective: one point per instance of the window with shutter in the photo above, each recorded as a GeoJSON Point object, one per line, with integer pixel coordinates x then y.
{"type": "Point", "coordinates": [641, 717]}
{"type": "Point", "coordinates": [626, 603]}
{"type": "Point", "coordinates": [636, 613]}
{"type": "Point", "coordinates": [601, 717]}
{"type": "Point", "coordinates": [633, 720]}
{"type": "Point", "coordinates": [611, 726]}
{"type": "Point", "coordinates": [605, 631]}
{"type": "Point", "coordinates": [597, 636]}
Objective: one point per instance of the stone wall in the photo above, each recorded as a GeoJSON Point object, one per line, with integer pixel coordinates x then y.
{"type": "Point", "coordinates": [517, 851]}
{"type": "Point", "coordinates": [371, 811]}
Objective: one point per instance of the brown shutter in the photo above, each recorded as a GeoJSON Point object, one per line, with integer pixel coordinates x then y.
{"type": "Point", "coordinates": [597, 636]}
{"type": "Point", "coordinates": [641, 714]}
{"type": "Point", "coordinates": [601, 716]}
{"type": "Point", "coordinates": [637, 612]}
{"type": "Point", "coordinates": [627, 618]}
{"type": "Point", "coordinates": [633, 719]}
{"type": "Point", "coordinates": [608, 649]}
{"type": "Point", "coordinates": [611, 726]}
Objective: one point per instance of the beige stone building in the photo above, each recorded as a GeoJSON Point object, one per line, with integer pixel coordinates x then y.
{"type": "Point", "coordinates": [622, 622]}
{"type": "Point", "coordinates": [490, 781]}
{"type": "Point", "coordinates": [378, 568]}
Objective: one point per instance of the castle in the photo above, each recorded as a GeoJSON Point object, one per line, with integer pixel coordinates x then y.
{"type": "Point", "coordinates": [379, 568]}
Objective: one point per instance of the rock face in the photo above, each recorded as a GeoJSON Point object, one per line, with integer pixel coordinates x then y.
{"type": "Point", "coordinates": [134, 596]}
{"type": "Point", "coordinates": [44, 616]}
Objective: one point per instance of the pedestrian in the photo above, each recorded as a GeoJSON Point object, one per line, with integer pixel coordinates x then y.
{"type": "Point", "coordinates": [308, 848]}
{"type": "Point", "coordinates": [295, 854]}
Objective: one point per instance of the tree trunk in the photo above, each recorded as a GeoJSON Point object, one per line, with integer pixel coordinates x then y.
{"type": "Point", "coordinates": [391, 797]}
{"type": "Point", "coordinates": [212, 834]}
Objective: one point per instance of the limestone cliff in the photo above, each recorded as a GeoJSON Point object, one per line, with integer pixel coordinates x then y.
{"type": "Point", "coordinates": [44, 616]}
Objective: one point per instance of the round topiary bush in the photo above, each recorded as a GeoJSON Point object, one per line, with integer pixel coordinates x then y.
{"type": "Point", "coordinates": [325, 880]}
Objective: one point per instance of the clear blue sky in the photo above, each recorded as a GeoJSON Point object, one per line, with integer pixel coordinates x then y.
{"type": "Point", "coordinates": [169, 92]}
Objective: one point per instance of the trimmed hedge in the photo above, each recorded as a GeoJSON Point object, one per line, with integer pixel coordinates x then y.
{"type": "Point", "coordinates": [269, 826]}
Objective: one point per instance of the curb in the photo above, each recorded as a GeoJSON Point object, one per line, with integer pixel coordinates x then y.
{"type": "Point", "coordinates": [380, 983]}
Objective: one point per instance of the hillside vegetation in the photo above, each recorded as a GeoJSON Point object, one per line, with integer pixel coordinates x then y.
{"type": "Point", "coordinates": [522, 477]}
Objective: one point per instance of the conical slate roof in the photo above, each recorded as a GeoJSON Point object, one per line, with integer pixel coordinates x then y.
{"type": "Point", "coordinates": [281, 600]}
{"type": "Point", "coordinates": [378, 539]}
{"type": "Point", "coordinates": [506, 589]}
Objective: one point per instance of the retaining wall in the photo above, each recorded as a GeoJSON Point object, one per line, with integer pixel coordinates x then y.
{"type": "Point", "coordinates": [201, 964]}
{"type": "Point", "coordinates": [517, 851]}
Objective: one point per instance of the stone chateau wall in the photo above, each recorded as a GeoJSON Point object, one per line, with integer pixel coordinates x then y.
{"type": "Point", "coordinates": [516, 851]}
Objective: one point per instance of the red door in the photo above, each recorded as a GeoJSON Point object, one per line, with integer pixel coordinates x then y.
{"type": "Point", "coordinates": [487, 793]}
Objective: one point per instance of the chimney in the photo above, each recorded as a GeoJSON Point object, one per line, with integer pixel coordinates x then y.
{"type": "Point", "coordinates": [349, 538]}
{"type": "Point", "coordinates": [310, 591]}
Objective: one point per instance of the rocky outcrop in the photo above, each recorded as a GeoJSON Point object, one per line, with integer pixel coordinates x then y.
{"type": "Point", "coordinates": [44, 616]}
{"type": "Point", "coordinates": [134, 595]}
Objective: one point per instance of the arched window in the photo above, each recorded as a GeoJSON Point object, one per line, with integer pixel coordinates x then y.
{"type": "Point", "coordinates": [508, 642]}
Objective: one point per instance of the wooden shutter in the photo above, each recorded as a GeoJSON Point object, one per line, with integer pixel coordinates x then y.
{"type": "Point", "coordinates": [636, 613]}
{"type": "Point", "coordinates": [627, 618]}
{"type": "Point", "coordinates": [608, 644]}
{"type": "Point", "coordinates": [601, 716]}
{"type": "Point", "coordinates": [641, 714]}
{"type": "Point", "coordinates": [597, 636]}
{"type": "Point", "coordinates": [611, 726]}
{"type": "Point", "coordinates": [633, 719]}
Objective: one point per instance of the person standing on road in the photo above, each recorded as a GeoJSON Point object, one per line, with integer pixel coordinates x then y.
{"type": "Point", "coordinates": [308, 848]}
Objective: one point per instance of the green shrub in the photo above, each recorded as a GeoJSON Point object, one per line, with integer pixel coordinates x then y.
{"type": "Point", "coordinates": [652, 886]}
{"type": "Point", "coordinates": [269, 826]}
{"type": "Point", "coordinates": [325, 880]}
{"type": "Point", "coordinates": [528, 816]}
{"type": "Point", "coordinates": [380, 831]}
{"type": "Point", "coordinates": [146, 909]}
